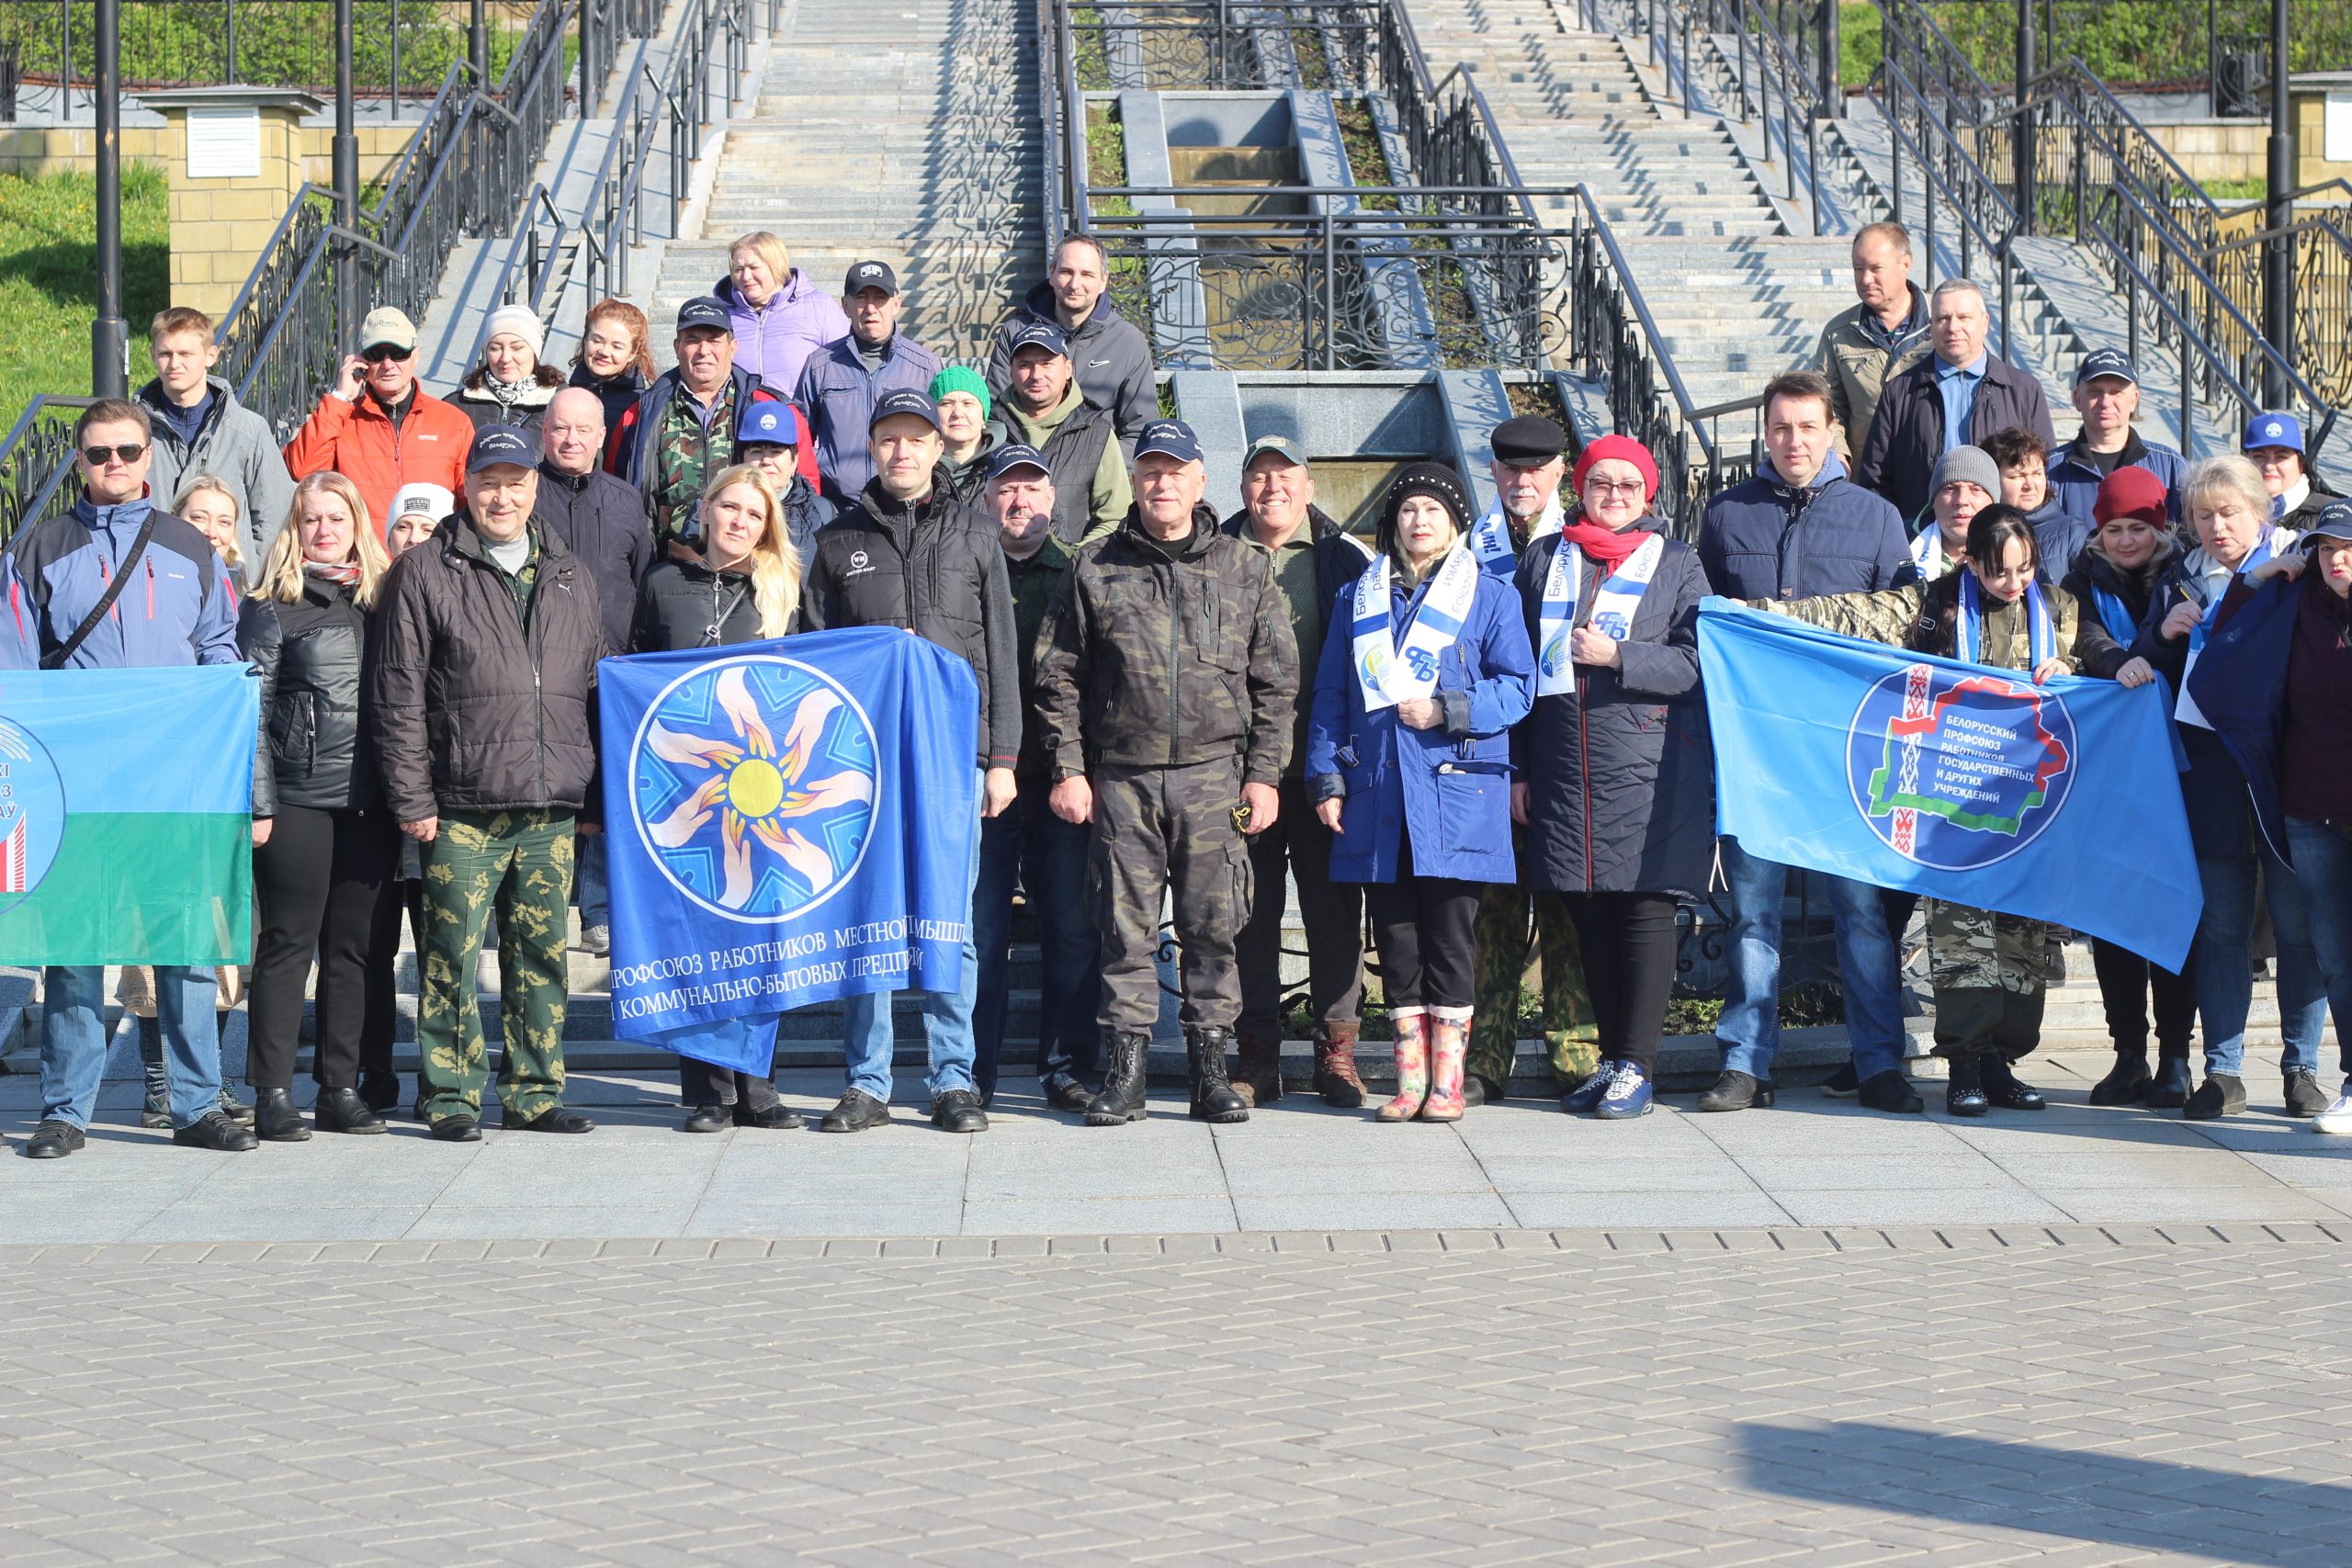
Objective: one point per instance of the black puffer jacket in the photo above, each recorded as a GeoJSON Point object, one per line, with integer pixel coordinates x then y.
{"type": "Point", "coordinates": [1621, 776]}
{"type": "Point", "coordinates": [603, 521]}
{"type": "Point", "coordinates": [935, 568]}
{"type": "Point", "coordinates": [682, 600]}
{"type": "Point", "coordinates": [477, 703]}
{"type": "Point", "coordinates": [312, 656]}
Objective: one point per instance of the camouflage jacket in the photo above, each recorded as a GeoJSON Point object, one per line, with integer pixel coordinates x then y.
{"type": "Point", "coordinates": [1162, 655]}
{"type": "Point", "coordinates": [687, 451]}
{"type": "Point", "coordinates": [1925, 618]}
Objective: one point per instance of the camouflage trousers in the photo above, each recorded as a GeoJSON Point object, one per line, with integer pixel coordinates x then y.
{"type": "Point", "coordinates": [1989, 973]}
{"type": "Point", "coordinates": [520, 863]}
{"type": "Point", "coordinates": [1159, 831]}
{"type": "Point", "coordinates": [1571, 1031]}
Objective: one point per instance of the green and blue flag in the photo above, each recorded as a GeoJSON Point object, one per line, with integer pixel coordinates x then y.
{"type": "Point", "coordinates": [126, 815]}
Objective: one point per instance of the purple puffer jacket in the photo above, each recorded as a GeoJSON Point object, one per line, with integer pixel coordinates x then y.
{"type": "Point", "coordinates": [772, 342]}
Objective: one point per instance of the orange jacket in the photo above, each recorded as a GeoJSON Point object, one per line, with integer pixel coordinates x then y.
{"type": "Point", "coordinates": [359, 442]}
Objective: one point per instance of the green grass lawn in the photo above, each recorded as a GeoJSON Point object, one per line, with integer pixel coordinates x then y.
{"type": "Point", "coordinates": [49, 248]}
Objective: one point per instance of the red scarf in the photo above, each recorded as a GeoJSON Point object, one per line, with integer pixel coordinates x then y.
{"type": "Point", "coordinates": [1610, 547]}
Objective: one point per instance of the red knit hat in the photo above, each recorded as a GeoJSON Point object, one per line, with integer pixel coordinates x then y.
{"type": "Point", "coordinates": [1625, 449]}
{"type": "Point", "coordinates": [2132, 491]}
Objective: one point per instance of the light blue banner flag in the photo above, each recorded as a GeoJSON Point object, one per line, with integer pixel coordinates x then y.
{"type": "Point", "coordinates": [788, 822]}
{"type": "Point", "coordinates": [2058, 803]}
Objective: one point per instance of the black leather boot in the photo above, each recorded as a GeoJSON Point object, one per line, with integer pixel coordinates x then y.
{"type": "Point", "coordinates": [1121, 1100]}
{"type": "Point", "coordinates": [2127, 1082]}
{"type": "Point", "coordinates": [2168, 1090]}
{"type": "Point", "coordinates": [276, 1119]}
{"type": "Point", "coordinates": [2006, 1089]}
{"type": "Point", "coordinates": [1964, 1095]}
{"type": "Point", "coordinates": [1213, 1099]}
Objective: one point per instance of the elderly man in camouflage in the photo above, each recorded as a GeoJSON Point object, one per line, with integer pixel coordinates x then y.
{"type": "Point", "coordinates": [1166, 680]}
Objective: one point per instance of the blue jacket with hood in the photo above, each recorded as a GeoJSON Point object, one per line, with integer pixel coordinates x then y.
{"type": "Point", "coordinates": [177, 609]}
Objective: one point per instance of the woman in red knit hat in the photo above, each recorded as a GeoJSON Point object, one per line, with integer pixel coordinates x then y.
{"type": "Point", "coordinates": [1616, 774]}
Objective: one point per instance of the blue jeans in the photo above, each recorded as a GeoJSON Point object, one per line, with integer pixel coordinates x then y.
{"type": "Point", "coordinates": [73, 1042]}
{"type": "Point", "coordinates": [2225, 961]}
{"type": "Point", "coordinates": [2323, 854]}
{"type": "Point", "coordinates": [588, 881]}
{"type": "Point", "coordinates": [1749, 1030]}
{"type": "Point", "coordinates": [867, 1037]}
{"type": "Point", "coordinates": [1031, 847]}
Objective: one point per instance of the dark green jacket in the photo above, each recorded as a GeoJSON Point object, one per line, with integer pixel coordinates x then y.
{"type": "Point", "coordinates": [1161, 656]}
{"type": "Point", "coordinates": [1037, 584]}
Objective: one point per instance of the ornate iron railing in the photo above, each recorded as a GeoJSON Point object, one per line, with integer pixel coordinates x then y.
{"type": "Point", "coordinates": [1220, 45]}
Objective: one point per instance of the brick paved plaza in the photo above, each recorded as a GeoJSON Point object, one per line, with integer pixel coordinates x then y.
{"type": "Point", "coordinates": [1809, 1336]}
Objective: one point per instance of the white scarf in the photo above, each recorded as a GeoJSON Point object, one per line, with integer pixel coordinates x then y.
{"type": "Point", "coordinates": [1490, 537]}
{"type": "Point", "coordinates": [2282, 504]}
{"type": "Point", "coordinates": [1388, 670]}
{"type": "Point", "coordinates": [1613, 603]}
{"type": "Point", "coordinates": [2207, 576]}
{"type": "Point", "coordinates": [1928, 553]}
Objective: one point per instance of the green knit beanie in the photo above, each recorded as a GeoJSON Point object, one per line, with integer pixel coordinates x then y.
{"type": "Point", "coordinates": [961, 378]}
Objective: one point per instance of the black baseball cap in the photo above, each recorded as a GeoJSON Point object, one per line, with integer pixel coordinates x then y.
{"type": "Point", "coordinates": [703, 311]}
{"type": "Point", "coordinates": [867, 275]}
{"type": "Point", "coordinates": [496, 444]}
{"type": "Point", "coordinates": [1038, 334]}
{"type": "Point", "coordinates": [2106, 362]}
{"type": "Point", "coordinates": [905, 400]}
{"type": "Point", "coordinates": [2334, 522]}
{"type": "Point", "coordinates": [1170, 438]}
{"type": "Point", "coordinates": [1016, 455]}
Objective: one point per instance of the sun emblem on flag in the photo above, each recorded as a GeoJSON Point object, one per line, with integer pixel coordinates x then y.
{"type": "Point", "coordinates": [753, 782]}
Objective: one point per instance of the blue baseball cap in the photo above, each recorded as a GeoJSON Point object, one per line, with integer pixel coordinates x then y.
{"type": "Point", "coordinates": [2334, 522]}
{"type": "Point", "coordinates": [904, 400]}
{"type": "Point", "coordinates": [769, 422]}
{"type": "Point", "coordinates": [1033, 333]}
{"type": "Point", "coordinates": [2106, 362]}
{"type": "Point", "coordinates": [2273, 430]}
{"type": "Point", "coordinates": [704, 311]}
{"type": "Point", "coordinates": [1170, 438]}
{"type": "Point", "coordinates": [496, 444]}
{"type": "Point", "coordinates": [1016, 455]}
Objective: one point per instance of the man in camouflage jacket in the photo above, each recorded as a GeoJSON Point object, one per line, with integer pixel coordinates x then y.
{"type": "Point", "coordinates": [1166, 678]}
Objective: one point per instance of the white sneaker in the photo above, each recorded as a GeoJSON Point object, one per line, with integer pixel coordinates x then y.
{"type": "Point", "coordinates": [2336, 1118]}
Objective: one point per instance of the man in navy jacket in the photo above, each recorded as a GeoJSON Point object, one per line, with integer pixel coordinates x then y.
{"type": "Point", "coordinates": [1798, 529]}
{"type": "Point", "coordinates": [2106, 394]}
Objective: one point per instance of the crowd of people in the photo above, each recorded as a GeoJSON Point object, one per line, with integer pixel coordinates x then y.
{"type": "Point", "coordinates": [1480, 733]}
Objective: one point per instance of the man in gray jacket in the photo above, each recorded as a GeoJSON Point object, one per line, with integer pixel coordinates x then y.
{"type": "Point", "coordinates": [200, 428]}
{"type": "Point", "coordinates": [1107, 352]}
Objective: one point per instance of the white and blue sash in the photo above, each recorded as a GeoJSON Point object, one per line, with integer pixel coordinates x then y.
{"type": "Point", "coordinates": [1391, 669]}
{"type": "Point", "coordinates": [1490, 535]}
{"type": "Point", "coordinates": [2040, 631]}
{"type": "Point", "coordinates": [2185, 708]}
{"type": "Point", "coordinates": [1613, 603]}
{"type": "Point", "coordinates": [1928, 553]}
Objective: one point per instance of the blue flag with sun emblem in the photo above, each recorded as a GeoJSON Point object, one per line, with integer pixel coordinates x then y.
{"type": "Point", "coordinates": [2058, 802]}
{"type": "Point", "coordinates": [788, 822]}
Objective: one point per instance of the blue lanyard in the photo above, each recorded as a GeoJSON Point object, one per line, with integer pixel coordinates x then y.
{"type": "Point", "coordinates": [2040, 636]}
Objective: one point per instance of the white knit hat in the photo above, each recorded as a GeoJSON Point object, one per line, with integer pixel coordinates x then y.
{"type": "Point", "coordinates": [519, 320]}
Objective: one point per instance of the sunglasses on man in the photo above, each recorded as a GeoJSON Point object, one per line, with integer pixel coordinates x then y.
{"type": "Point", "coordinates": [96, 455]}
{"type": "Point", "coordinates": [383, 351]}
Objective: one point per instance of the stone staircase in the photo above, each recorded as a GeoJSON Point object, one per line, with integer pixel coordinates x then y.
{"type": "Point", "coordinates": [907, 133]}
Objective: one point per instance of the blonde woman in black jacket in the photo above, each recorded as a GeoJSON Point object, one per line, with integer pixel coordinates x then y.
{"type": "Point", "coordinates": [326, 856]}
{"type": "Point", "coordinates": [743, 586]}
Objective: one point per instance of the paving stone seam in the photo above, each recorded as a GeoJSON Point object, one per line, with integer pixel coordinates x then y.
{"type": "Point", "coordinates": [1727, 1242]}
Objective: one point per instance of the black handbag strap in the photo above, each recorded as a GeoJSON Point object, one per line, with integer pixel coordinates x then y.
{"type": "Point", "coordinates": [106, 600]}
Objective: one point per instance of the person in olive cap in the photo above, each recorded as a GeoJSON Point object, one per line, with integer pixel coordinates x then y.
{"type": "Point", "coordinates": [1042, 408]}
{"type": "Point", "coordinates": [1315, 560]}
{"type": "Point", "coordinates": [1167, 685]}
{"type": "Point", "coordinates": [1529, 460]}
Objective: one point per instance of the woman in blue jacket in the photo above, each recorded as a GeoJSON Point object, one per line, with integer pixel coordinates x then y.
{"type": "Point", "coordinates": [1409, 761]}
